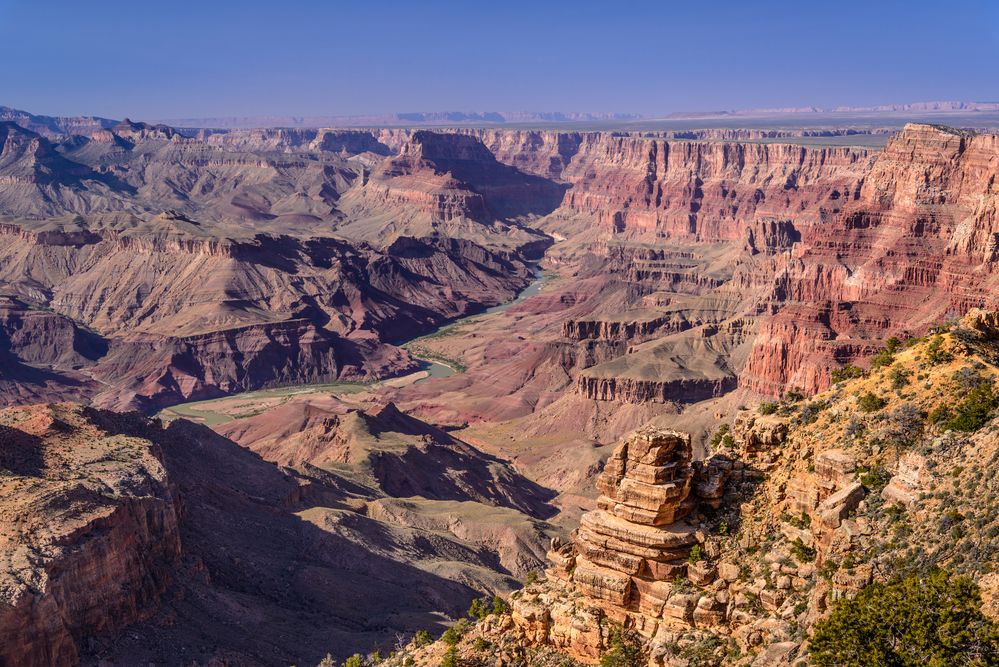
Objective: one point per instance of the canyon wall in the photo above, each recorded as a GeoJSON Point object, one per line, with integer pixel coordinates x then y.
{"type": "Point", "coordinates": [917, 247]}
{"type": "Point", "coordinates": [88, 552]}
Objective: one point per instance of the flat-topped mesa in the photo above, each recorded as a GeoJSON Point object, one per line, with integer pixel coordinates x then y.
{"type": "Point", "coordinates": [626, 553]}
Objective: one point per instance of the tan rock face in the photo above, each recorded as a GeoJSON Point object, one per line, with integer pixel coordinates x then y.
{"type": "Point", "coordinates": [628, 554]}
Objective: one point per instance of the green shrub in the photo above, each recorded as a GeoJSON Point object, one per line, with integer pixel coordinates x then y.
{"type": "Point", "coordinates": [874, 478]}
{"type": "Point", "coordinates": [903, 426]}
{"type": "Point", "coordinates": [847, 372]}
{"type": "Point", "coordinates": [480, 644]}
{"type": "Point", "coordinates": [719, 435]}
{"type": "Point", "coordinates": [451, 658]}
{"type": "Point", "coordinates": [933, 620]}
{"type": "Point", "coordinates": [500, 605]}
{"type": "Point", "coordinates": [623, 650]}
{"type": "Point", "coordinates": [803, 553]}
{"type": "Point", "coordinates": [882, 359]}
{"type": "Point", "coordinates": [356, 660]}
{"type": "Point", "coordinates": [893, 345]}
{"type": "Point", "coordinates": [794, 395]}
{"type": "Point", "coordinates": [899, 378]}
{"type": "Point", "coordinates": [531, 577]}
{"type": "Point", "coordinates": [935, 354]}
{"type": "Point", "coordinates": [870, 403]}
{"type": "Point", "coordinates": [811, 410]}
{"type": "Point", "coordinates": [479, 608]}
{"type": "Point", "coordinates": [975, 410]}
{"type": "Point", "coordinates": [423, 637]}
{"type": "Point", "coordinates": [696, 554]}
{"type": "Point", "coordinates": [940, 414]}
{"type": "Point", "coordinates": [451, 636]}
{"type": "Point", "coordinates": [768, 407]}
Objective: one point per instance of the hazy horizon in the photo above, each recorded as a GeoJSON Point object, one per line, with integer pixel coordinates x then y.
{"type": "Point", "coordinates": [309, 58]}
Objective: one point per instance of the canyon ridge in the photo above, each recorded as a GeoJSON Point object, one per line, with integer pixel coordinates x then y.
{"type": "Point", "coordinates": [466, 391]}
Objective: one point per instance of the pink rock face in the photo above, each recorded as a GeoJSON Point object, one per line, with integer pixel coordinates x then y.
{"type": "Point", "coordinates": [916, 246]}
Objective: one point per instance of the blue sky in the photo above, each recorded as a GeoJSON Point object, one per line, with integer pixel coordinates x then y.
{"type": "Point", "coordinates": [168, 59]}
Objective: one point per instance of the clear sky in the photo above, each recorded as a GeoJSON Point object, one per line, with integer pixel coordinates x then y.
{"type": "Point", "coordinates": [170, 59]}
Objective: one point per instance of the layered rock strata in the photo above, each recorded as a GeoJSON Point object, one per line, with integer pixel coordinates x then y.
{"type": "Point", "coordinates": [629, 554]}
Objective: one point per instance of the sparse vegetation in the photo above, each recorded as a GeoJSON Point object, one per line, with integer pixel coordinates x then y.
{"type": "Point", "coordinates": [935, 354]}
{"type": "Point", "coordinates": [451, 658]}
{"type": "Point", "coordinates": [882, 358]}
{"type": "Point", "coordinates": [934, 620]}
{"type": "Point", "coordinates": [802, 552]}
{"type": "Point", "coordinates": [974, 410]}
{"type": "Point", "coordinates": [623, 650]}
{"type": "Point", "coordinates": [869, 402]}
{"type": "Point", "coordinates": [500, 606]}
{"type": "Point", "coordinates": [356, 660]}
{"type": "Point", "coordinates": [847, 372]}
{"type": "Point", "coordinates": [768, 407]}
{"type": "Point", "coordinates": [722, 437]}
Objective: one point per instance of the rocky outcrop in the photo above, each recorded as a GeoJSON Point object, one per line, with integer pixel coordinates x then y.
{"type": "Point", "coordinates": [91, 535]}
{"type": "Point", "coordinates": [771, 236]}
{"type": "Point", "coordinates": [630, 331]}
{"type": "Point", "coordinates": [443, 181]}
{"type": "Point", "coordinates": [634, 390]}
{"type": "Point", "coordinates": [629, 554]}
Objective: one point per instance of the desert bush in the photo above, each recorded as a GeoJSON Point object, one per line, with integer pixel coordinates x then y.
{"type": "Point", "coordinates": [869, 402]}
{"type": "Point", "coordinates": [847, 372]}
{"type": "Point", "coordinates": [882, 358]}
{"type": "Point", "coordinates": [356, 660]}
{"type": "Point", "coordinates": [800, 551]}
{"type": "Point", "coordinates": [454, 634]}
{"type": "Point", "coordinates": [794, 395]}
{"type": "Point", "coordinates": [624, 649]}
{"type": "Point", "coordinates": [967, 378]}
{"type": "Point", "coordinates": [935, 354]}
{"type": "Point", "coordinates": [451, 658]}
{"type": "Point", "coordinates": [423, 637]}
{"type": "Point", "coordinates": [768, 407]}
{"type": "Point", "coordinates": [500, 606]}
{"type": "Point", "coordinates": [722, 436]}
{"type": "Point", "coordinates": [874, 478]}
{"type": "Point", "coordinates": [903, 426]}
{"type": "Point", "coordinates": [479, 608]}
{"type": "Point", "coordinates": [696, 554]}
{"type": "Point", "coordinates": [811, 410]}
{"type": "Point", "coordinates": [933, 620]}
{"type": "Point", "coordinates": [899, 378]}
{"type": "Point", "coordinates": [974, 410]}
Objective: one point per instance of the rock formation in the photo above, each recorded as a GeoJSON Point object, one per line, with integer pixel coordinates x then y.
{"type": "Point", "coordinates": [90, 534]}
{"type": "Point", "coordinates": [630, 555]}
